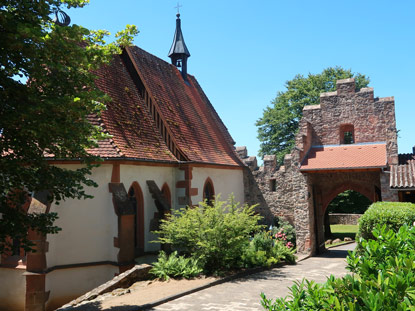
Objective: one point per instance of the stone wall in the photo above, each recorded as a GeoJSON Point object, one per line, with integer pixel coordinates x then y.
{"type": "Point", "coordinates": [344, 219]}
{"type": "Point", "coordinates": [302, 197]}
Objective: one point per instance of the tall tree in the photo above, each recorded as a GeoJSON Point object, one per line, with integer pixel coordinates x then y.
{"type": "Point", "coordinates": [279, 124]}
{"type": "Point", "coordinates": [47, 92]}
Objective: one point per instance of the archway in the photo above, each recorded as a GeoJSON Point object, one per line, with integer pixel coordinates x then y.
{"type": "Point", "coordinates": [325, 186]}
{"type": "Point", "coordinates": [208, 191]}
{"type": "Point", "coordinates": [135, 194]}
{"type": "Point", "coordinates": [349, 202]}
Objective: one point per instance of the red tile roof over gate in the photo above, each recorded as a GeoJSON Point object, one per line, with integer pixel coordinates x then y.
{"type": "Point", "coordinates": [340, 157]}
{"type": "Point", "coordinates": [195, 127]}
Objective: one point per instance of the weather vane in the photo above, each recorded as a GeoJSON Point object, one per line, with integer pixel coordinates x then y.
{"type": "Point", "coordinates": [178, 8]}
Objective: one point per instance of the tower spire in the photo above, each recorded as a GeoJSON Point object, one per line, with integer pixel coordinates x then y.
{"type": "Point", "coordinates": [178, 51]}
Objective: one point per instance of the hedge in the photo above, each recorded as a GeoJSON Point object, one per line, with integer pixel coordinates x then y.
{"type": "Point", "coordinates": [391, 214]}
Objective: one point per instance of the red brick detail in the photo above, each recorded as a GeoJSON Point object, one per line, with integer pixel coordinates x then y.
{"type": "Point", "coordinates": [126, 239]}
{"type": "Point", "coordinates": [36, 296]}
{"type": "Point", "coordinates": [187, 185]}
{"type": "Point", "coordinates": [36, 260]}
{"type": "Point", "coordinates": [194, 191]}
{"type": "Point", "coordinates": [116, 174]}
{"type": "Point", "coordinates": [182, 184]}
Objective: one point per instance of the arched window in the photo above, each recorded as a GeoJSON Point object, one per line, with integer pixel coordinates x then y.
{"type": "Point", "coordinates": [165, 190]}
{"type": "Point", "coordinates": [347, 134]}
{"type": "Point", "coordinates": [208, 191]}
{"type": "Point", "coordinates": [136, 197]}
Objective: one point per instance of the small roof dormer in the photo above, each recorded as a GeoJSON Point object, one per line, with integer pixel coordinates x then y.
{"type": "Point", "coordinates": [178, 51]}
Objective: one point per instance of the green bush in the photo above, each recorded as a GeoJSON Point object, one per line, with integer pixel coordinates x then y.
{"type": "Point", "coordinates": [283, 227]}
{"type": "Point", "coordinates": [383, 279]}
{"type": "Point", "coordinates": [175, 266]}
{"type": "Point", "coordinates": [216, 235]}
{"type": "Point", "coordinates": [265, 250]}
{"type": "Point", "coordinates": [391, 214]}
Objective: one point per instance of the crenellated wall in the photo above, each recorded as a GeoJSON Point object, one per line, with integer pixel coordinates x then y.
{"type": "Point", "coordinates": [302, 197]}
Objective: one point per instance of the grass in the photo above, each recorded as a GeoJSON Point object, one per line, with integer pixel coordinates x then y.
{"type": "Point", "coordinates": [342, 231]}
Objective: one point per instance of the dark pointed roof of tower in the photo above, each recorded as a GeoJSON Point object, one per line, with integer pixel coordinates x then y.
{"type": "Point", "coordinates": [178, 46]}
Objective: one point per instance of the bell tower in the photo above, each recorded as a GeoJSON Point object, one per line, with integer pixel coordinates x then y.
{"type": "Point", "coordinates": [178, 51]}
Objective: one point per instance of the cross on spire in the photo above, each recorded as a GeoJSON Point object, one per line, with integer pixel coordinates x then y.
{"type": "Point", "coordinates": [178, 6]}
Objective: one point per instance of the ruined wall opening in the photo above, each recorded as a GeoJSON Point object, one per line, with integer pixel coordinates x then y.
{"type": "Point", "coordinates": [347, 134]}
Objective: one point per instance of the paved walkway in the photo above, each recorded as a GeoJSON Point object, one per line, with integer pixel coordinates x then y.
{"type": "Point", "coordinates": [244, 294]}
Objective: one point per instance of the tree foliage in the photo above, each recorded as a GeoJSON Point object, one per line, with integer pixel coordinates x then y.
{"type": "Point", "coordinates": [350, 202]}
{"type": "Point", "coordinates": [47, 92]}
{"type": "Point", "coordinates": [279, 124]}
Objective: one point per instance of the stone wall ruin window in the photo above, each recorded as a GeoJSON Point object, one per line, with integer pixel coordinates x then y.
{"type": "Point", "coordinates": [272, 185]}
{"type": "Point", "coordinates": [347, 134]}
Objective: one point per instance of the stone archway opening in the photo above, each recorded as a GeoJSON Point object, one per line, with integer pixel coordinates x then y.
{"type": "Point", "coordinates": [344, 209]}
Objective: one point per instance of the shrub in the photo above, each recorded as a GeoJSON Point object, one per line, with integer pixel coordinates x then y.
{"type": "Point", "coordinates": [265, 250]}
{"type": "Point", "coordinates": [175, 266]}
{"type": "Point", "coordinates": [216, 235]}
{"type": "Point", "coordinates": [383, 279]}
{"type": "Point", "coordinates": [391, 214]}
{"type": "Point", "coordinates": [281, 226]}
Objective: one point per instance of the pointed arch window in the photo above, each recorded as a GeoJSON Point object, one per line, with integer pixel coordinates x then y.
{"type": "Point", "coordinates": [165, 190]}
{"type": "Point", "coordinates": [208, 192]}
{"type": "Point", "coordinates": [135, 195]}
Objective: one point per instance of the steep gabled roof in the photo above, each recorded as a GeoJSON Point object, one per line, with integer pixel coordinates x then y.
{"type": "Point", "coordinates": [191, 121]}
{"type": "Point", "coordinates": [197, 129]}
{"type": "Point", "coordinates": [126, 118]}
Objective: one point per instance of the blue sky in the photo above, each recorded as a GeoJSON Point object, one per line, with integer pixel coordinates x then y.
{"type": "Point", "coordinates": [243, 52]}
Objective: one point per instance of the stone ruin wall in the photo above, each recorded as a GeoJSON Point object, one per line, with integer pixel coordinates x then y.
{"type": "Point", "coordinates": [373, 120]}
{"type": "Point", "coordinates": [289, 200]}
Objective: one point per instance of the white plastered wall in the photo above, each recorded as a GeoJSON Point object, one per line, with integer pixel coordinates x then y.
{"type": "Point", "coordinates": [88, 226]}
{"type": "Point", "coordinates": [12, 289]}
{"type": "Point", "coordinates": [68, 284]}
{"type": "Point", "coordinates": [225, 182]}
{"type": "Point", "coordinates": [160, 175]}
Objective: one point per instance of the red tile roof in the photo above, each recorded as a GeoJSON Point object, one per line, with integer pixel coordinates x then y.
{"type": "Point", "coordinates": [356, 156]}
{"type": "Point", "coordinates": [126, 118]}
{"type": "Point", "coordinates": [195, 127]}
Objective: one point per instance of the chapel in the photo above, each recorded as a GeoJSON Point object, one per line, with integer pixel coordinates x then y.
{"type": "Point", "coordinates": [168, 149]}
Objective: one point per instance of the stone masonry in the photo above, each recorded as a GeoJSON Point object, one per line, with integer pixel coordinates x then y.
{"type": "Point", "coordinates": [302, 197]}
